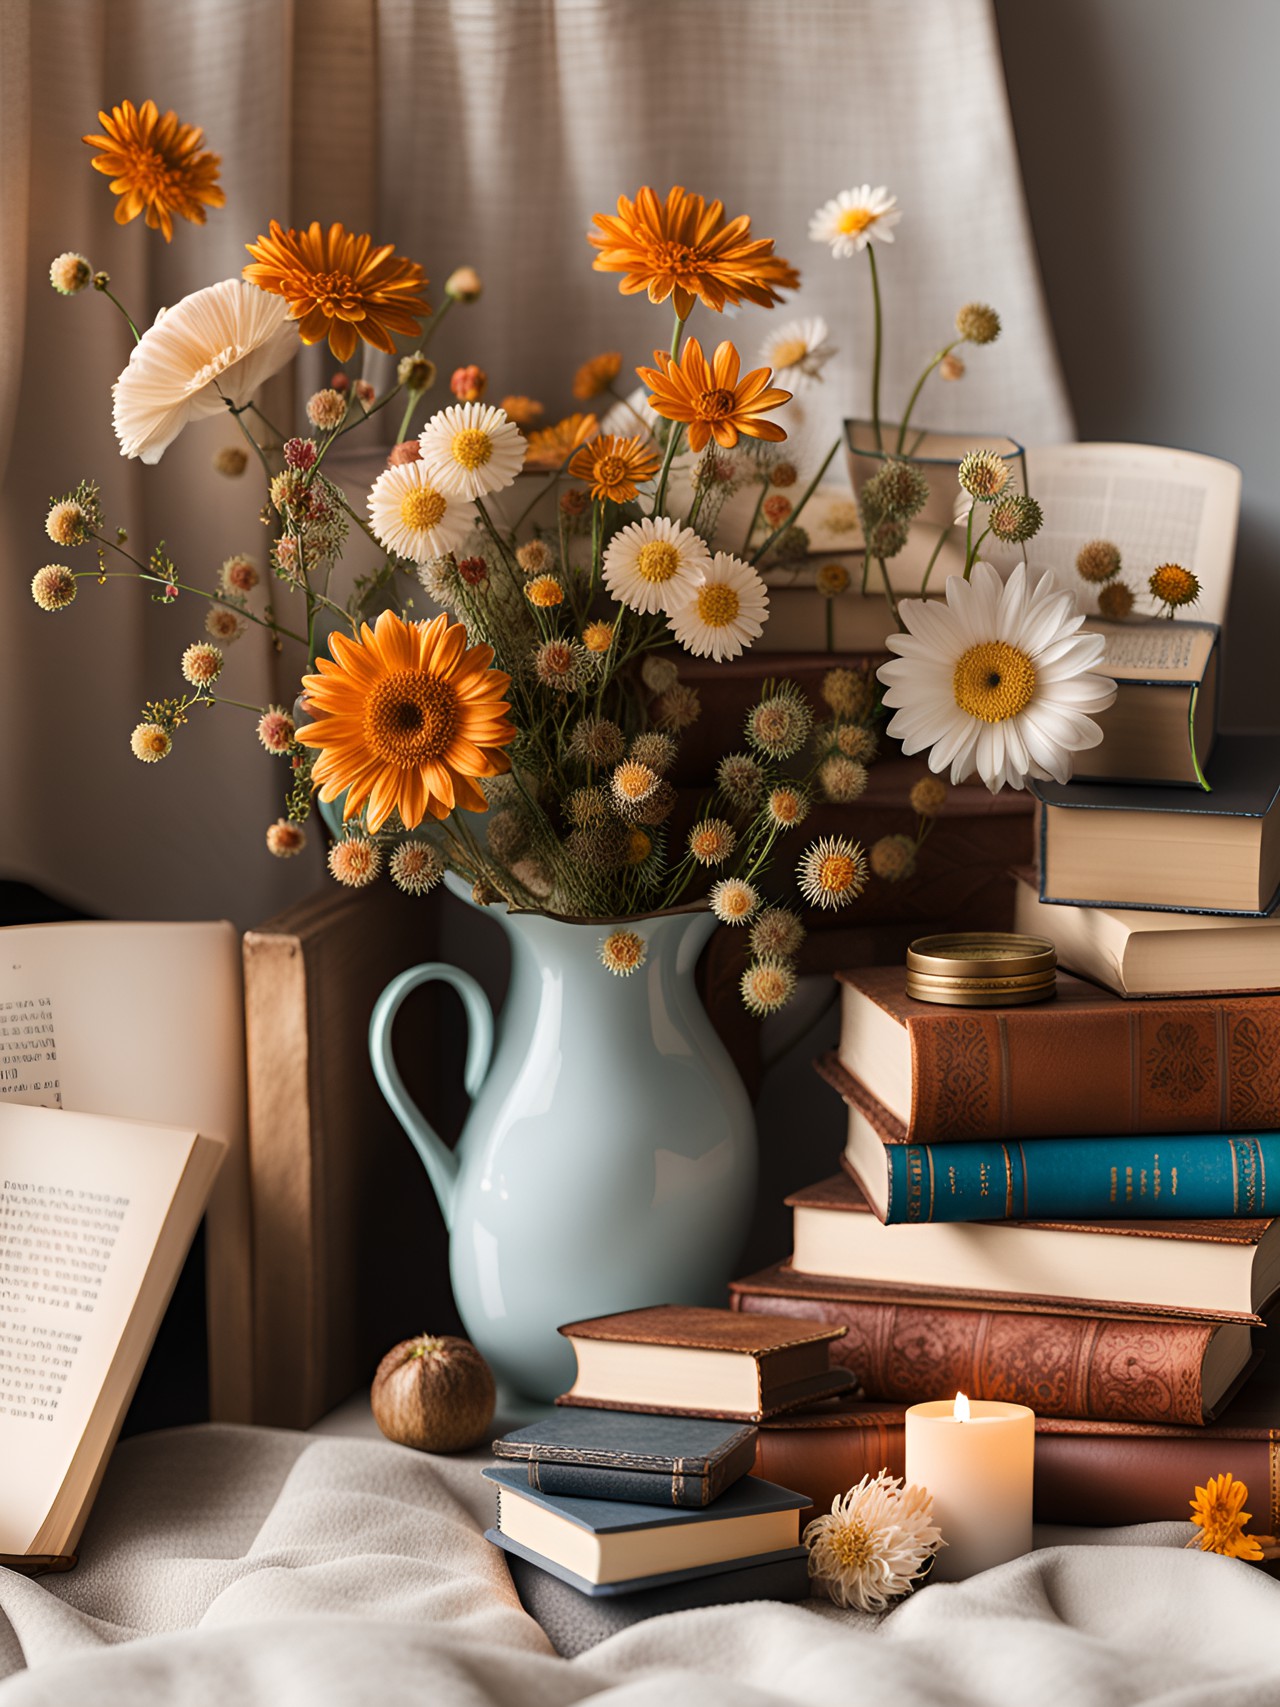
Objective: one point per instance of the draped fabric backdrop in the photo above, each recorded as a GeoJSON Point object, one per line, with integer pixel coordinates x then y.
{"type": "Point", "coordinates": [479, 131]}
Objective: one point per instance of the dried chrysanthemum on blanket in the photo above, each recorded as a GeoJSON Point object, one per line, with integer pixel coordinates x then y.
{"type": "Point", "coordinates": [873, 1544]}
{"type": "Point", "coordinates": [1218, 1512]}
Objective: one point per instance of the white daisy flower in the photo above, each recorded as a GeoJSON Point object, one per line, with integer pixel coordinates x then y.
{"type": "Point", "coordinates": [997, 680]}
{"type": "Point", "coordinates": [798, 351]}
{"type": "Point", "coordinates": [873, 1543]}
{"type": "Point", "coordinates": [471, 449]}
{"type": "Point", "coordinates": [653, 563]}
{"type": "Point", "coordinates": [411, 516]}
{"type": "Point", "coordinates": [855, 218]}
{"type": "Point", "coordinates": [215, 347]}
{"type": "Point", "coordinates": [721, 612]}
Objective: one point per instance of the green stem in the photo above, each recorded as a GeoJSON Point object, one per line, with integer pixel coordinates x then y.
{"type": "Point", "coordinates": [794, 517]}
{"type": "Point", "coordinates": [755, 516]}
{"type": "Point", "coordinates": [928, 568]}
{"type": "Point", "coordinates": [888, 590]}
{"type": "Point", "coordinates": [436, 320]}
{"type": "Point", "coordinates": [911, 401]}
{"type": "Point", "coordinates": [103, 291]}
{"type": "Point", "coordinates": [409, 408]}
{"type": "Point", "coordinates": [145, 574]}
{"type": "Point", "coordinates": [875, 359]}
{"type": "Point", "coordinates": [537, 498]}
{"type": "Point", "coordinates": [235, 416]}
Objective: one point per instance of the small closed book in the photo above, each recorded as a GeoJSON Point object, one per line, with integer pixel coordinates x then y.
{"type": "Point", "coordinates": [615, 1546]}
{"type": "Point", "coordinates": [1161, 726]}
{"type": "Point", "coordinates": [1129, 846]}
{"type": "Point", "coordinates": [685, 1360]}
{"type": "Point", "coordinates": [633, 1456]}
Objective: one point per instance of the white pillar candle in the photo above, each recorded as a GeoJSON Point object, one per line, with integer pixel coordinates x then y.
{"type": "Point", "coordinates": [976, 1459]}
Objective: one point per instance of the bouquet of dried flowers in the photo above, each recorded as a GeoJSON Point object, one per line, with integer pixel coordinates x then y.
{"type": "Point", "coordinates": [524, 737]}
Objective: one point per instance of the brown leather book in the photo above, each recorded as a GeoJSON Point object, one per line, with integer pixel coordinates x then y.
{"type": "Point", "coordinates": [1084, 1062]}
{"type": "Point", "coordinates": [1086, 1472]}
{"type": "Point", "coordinates": [1119, 1368]}
{"type": "Point", "coordinates": [684, 1360]}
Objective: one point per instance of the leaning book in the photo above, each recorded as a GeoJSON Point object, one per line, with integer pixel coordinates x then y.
{"type": "Point", "coordinates": [96, 1218]}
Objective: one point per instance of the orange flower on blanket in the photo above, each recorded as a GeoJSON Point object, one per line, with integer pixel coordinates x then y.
{"type": "Point", "coordinates": [156, 166]}
{"type": "Point", "coordinates": [684, 249]}
{"type": "Point", "coordinates": [340, 286]}
{"type": "Point", "coordinates": [1218, 1512]}
{"type": "Point", "coordinates": [551, 447]}
{"type": "Point", "coordinates": [406, 718]}
{"type": "Point", "coordinates": [710, 398]}
{"type": "Point", "coordinates": [614, 467]}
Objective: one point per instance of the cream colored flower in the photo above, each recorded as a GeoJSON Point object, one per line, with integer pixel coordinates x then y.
{"type": "Point", "coordinates": [854, 218]}
{"type": "Point", "coordinates": [733, 900]}
{"type": "Point", "coordinates": [797, 352]}
{"type": "Point", "coordinates": [832, 872]}
{"type": "Point", "coordinates": [623, 952]}
{"type": "Point", "coordinates": [653, 564]}
{"type": "Point", "coordinates": [415, 867]}
{"type": "Point", "coordinates": [873, 1543]}
{"type": "Point", "coordinates": [997, 680]}
{"type": "Point", "coordinates": [767, 985]}
{"type": "Point", "coordinates": [472, 449]}
{"type": "Point", "coordinates": [217, 345]}
{"type": "Point", "coordinates": [413, 517]}
{"type": "Point", "coordinates": [721, 612]}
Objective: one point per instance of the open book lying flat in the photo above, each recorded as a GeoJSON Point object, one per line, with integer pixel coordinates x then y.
{"type": "Point", "coordinates": [96, 1218]}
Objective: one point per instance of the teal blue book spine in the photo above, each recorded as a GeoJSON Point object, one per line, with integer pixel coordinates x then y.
{"type": "Point", "coordinates": [1187, 1177]}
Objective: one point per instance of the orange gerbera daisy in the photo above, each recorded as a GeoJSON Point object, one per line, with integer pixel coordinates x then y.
{"type": "Point", "coordinates": [339, 286]}
{"type": "Point", "coordinates": [156, 166]}
{"type": "Point", "coordinates": [551, 447]}
{"type": "Point", "coordinates": [710, 398]}
{"type": "Point", "coordinates": [682, 248]}
{"type": "Point", "coordinates": [614, 467]}
{"type": "Point", "coordinates": [407, 716]}
{"type": "Point", "coordinates": [597, 375]}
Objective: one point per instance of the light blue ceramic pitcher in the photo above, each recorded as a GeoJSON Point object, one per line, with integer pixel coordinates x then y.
{"type": "Point", "coordinates": [609, 1158]}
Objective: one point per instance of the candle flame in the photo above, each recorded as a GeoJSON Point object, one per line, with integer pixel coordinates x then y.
{"type": "Point", "coordinates": [961, 1411]}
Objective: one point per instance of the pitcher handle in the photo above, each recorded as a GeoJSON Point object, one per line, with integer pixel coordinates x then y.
{"type": "Point", "coordinates": [440, 1162]}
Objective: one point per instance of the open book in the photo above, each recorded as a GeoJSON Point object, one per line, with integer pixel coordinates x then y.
{"type": "Point", "coordinates": [145, 1021]}
{"type": "Point", "coordinates": [96, 1217]}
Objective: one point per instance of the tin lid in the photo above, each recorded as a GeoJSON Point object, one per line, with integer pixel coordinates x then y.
{"type": "Point", "coordinates": [982, 955]}
{"type": "Point", "coordinates": [957, 994]}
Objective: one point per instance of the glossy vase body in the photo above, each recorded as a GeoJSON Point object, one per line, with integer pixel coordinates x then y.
{"type": "Point", "coordinates": [609, 1158]}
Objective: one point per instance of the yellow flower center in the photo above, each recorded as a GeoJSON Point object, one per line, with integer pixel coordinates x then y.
{"type": "Point", "coordinates": [668, 257]}
{"type": "Point", "coordinates": [623, 950]}
{"type": "Point", "coordinates": [639, 847]}
{"type": "Point", "coordinates": [546, 592]}
{"type": "Point", "coordinates": [852, 1543]}
{"type": "Point", "coordinates": [718, 604]}
{"type": "Point", "coordinates": [769, 986]}
{"type": "Point", "coordinates": [855, 219]}
{"type": "Point", "coordinates": [611, 471]}
{"type": "Point", "coordinates": [837, 874]}
{"type": "Point", "coordinates": [422, 507]}
{"type": "Point", "coordinates": [1174, 585]}
{"type": "Point", "coordinates": [634, 781]}
{"type": "Point", "coordinates": [994, 681]}
{"type": "Point", "coordinates": [789, 352]}
{"type": "Point", "coordinates": [471, 448]}
{"type": "Point", "coordinates": [155, 741]}
{"type": "Point", "coordinates": [410, 718]}
{"type": "Point", "coordinates": [716, 405]}
{"type": "Point", "coordinates": [598, 636]}
{"type": "Point", "coordinates": [657, 561]}
{"type": "Point", "coordinates": [336, 295]}
{"type": "Point", "coordinates": [785, 805]}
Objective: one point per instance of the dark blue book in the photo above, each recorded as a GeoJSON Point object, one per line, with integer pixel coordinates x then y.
{"type": "Point", "coordinates": [607, 1547]}
{"type": "Point", "coordinates": [632, 1455]}
{"type": "Point", "coordinates": [573, 1621]}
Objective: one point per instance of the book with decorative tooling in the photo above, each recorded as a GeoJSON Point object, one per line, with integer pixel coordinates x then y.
{"type": "Point", "coordinates": [629, 1455]}
{"type": "Point", "coordinates": [1196, 1176]}
{"type": "Point", "coordinates": [688, 1361]}
{"type": "Point", "coordinates": [1085, 1062]}
{"type": "Point", "coordinates": [909, 1345]}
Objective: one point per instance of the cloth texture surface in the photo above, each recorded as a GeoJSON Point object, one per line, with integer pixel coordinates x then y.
{"type": "Point", "coordinates": [462, 131]}
{"type": "Point", "coordinates": [270, 1569]}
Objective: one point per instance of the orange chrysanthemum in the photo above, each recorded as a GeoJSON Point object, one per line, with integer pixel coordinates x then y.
{"type": "Point", "coordinates": [682, 248]}
{"type": "Point", "coordinates": [551, 447]}
{"type": "Point", "coordinates": [406, 717]}
{"type": "Point", "coordinates": [614, 467]}
{"type": "Point", "coordinates": [156, 166]}
{"type": "Point", "coordinates": [595, 377]}
{"type": "Point", "coordinates": [339, 286]}
{"type": "Point", "coordinates": [710, 398]}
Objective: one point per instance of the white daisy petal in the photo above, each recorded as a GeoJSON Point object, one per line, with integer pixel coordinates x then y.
{"type": "Point", "coordinates": [797, 352]}
{"type": "Point", "coordinates": [720, 611]}
{"type": "Point", "coordinates": [472, 449]}
{"type": "Point", "coordinates": [854, 218]}
{"type": "Point", "coordinates": [653, 564]}
{"type": "Point", "coordinates": [413, 518]}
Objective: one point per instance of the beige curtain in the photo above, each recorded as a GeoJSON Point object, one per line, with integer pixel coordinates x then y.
{"type": "Point", "coordinates": [485, 131]}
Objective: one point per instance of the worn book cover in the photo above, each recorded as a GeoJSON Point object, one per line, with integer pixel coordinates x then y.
{"type": "Point", "coordinates": [629, 1455]}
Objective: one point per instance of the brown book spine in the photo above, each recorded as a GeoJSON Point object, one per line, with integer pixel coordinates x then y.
{"type": "Point", "coordinates": [1090, 1063]}
{"type": "Point", "coordinates": [1062, 1366]}
{"type": "Point", "coordinates": [1079, 1478]}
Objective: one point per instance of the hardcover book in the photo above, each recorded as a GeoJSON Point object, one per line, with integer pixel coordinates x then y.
{"type": "Point", "coordinates": [1162, 724]}
{"type": "Point", "coordinates": [1086, 1472]}
{"type": "Point", "coordinates": [1085, 1062]}
{"type": "Point", "coordinates": [1224, 1270]}
{"type": "Point", "coordinates": [1139, 953]}
{"type": "Point", "coordinates": [1109, 845]}
{"type": "Point", "coordinates": [1204, 1176]}
{"type": "Point", "coordinates": [689, 1361]}
{"type": "Point", "coordinates": [96, 1218]}
{"type": "Point", "coordinates": [615, 1546]}
{"type": "Point", "coordinates": [907, 1347]}
{"type": "Point", "coordinates": [629, 1455]}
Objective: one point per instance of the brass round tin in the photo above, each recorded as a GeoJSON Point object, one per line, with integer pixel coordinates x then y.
{"type": "Point", "coordinates": [982, 969]}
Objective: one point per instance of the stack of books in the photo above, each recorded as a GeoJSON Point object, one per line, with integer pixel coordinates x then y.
{"type": "Point", "coordinates": [1069, 1205]}
{"type": "Point", "coordinates": [636, 1497]}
